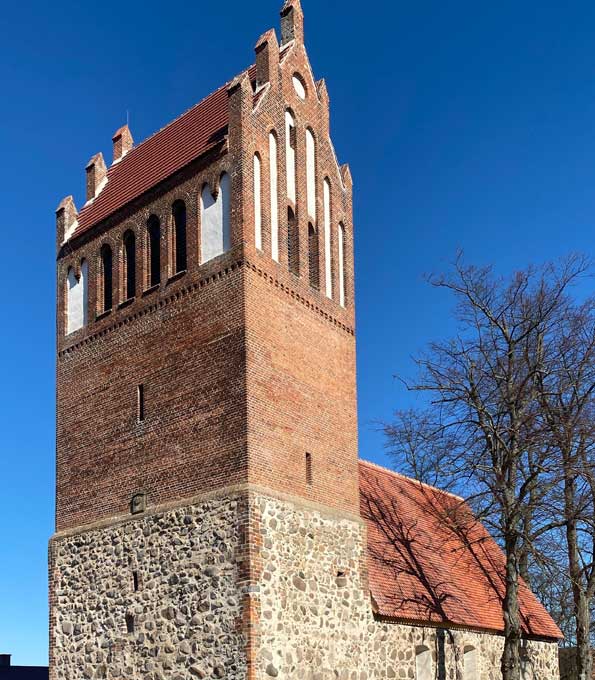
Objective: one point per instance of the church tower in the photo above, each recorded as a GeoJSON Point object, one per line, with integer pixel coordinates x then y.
{"type": "Point", "coordinates": [206, 425]}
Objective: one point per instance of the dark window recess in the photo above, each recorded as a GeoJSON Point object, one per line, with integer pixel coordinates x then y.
{"type": "Point", "coordinates": [313, 257]}
{"type": "Point", "coordinates": [129, 265]}
{"type": "Point", "coordinates": [140, 403]}
{"type": "Point", "coordinates": [129, 623]}
{"type": "Point", "coordinates": [106, 278]}
{"type": "Point", "coordinates": [138, 503]}
{"type": "Point", "coordinates": [135, 581]}
{"type": "Point", "coordinates": [154, 239]}
{"type": "Point", "coordinates": [179, 215]}
{"type": "Point", "coordinates": [293, 243]}
{"type": "Point", "coordinates": [309, 476]}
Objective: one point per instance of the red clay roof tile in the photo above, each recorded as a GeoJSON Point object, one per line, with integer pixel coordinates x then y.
{"type": "Point", "coordinates": [422, 569]}
{"type": "Point", "coordinates": [180, 142]}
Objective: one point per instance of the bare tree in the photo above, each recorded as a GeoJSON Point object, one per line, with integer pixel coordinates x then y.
{"type": "Point", "coordinates": [484, 432]}
{"type": "Point", "coordinates": [566, 391]}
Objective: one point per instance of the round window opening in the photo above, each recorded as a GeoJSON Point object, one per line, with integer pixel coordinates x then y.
{"type": "Point", "coordinates": [299, 86]}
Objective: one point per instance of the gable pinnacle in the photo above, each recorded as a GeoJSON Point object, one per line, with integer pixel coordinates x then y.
{"type": "Point", "coordinates": [292, 22]}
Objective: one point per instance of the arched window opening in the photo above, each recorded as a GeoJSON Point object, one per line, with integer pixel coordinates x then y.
{"type": "Point", "coordinates": [76, 298]}
{"type": "Point", "coordinates": [106, 279]}
{"type": "Point", "coordinates": [526, 666]}
{"type": "Point", "coordinates": [328, 262]}
{"type": "Point", "coordinates": [180, 249]}
{"type": "Point", "coordinates": [423, 663]}
{"type": "Point", "coordinates": [274, 192]}
{"type": "Point", "coordinates": [257, 203]}
{"type": "Point", "coordinates": [342, 280]}
{"type": "Point", "coordinates": [290, 154]}
{"type": "Point", "coordinates": [293, 243]}
{"type": "Point", "coordinates": [470, 665]}
{"type": "Point", "coordinates": [313, 257]}
{"type": "Point", "coordinates": [154, 247]}
{"type": "Point", "coordinates": [311, 173]}
{"type": "Point", "coordinates": [215, 220]}
{"type": "Point", "coordinates": [129, 274]}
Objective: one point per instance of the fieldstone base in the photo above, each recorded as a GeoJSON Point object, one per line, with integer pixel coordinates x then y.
{"type": "Point", "coordinates": [169, 594]}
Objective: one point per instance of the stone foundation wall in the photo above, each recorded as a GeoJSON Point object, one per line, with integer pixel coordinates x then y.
{"type": "Point", "coordinates": [316, 614]}
{"type": "Point", "coordinates": [162, 596]}
{"type": "Point", "coordinates": [152, 598]}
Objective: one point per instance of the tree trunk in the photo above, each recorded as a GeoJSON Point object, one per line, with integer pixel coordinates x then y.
{"type": "Point", "coordinates": [511, 656]}
{"type": "Point", "coordinates": [584, 660]}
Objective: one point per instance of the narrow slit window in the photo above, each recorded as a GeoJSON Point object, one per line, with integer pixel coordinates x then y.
{"type": "Point", "coordinates": [140, 403]}
{"type": "Point", "coordinates": [135, 581]}
{"type": "Point", "coordinates": [130, 623]}
{"type": "Point", "coordinates": [309, 473]}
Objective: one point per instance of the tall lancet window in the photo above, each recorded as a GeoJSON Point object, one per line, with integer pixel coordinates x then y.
{"type": "Point", "coordinates": [328, 262]}
{"type": "Point", "coordinates": [76, 298]}
{"type": "Point", "coordinates": [216, 220]}
{"type": "Point", "coordinates": [106, 278]}
{"type": "Point", "coordinates": [423, 664]}
{"type": "Point", "coordinates": [180, 262]}
{"type": "Point", "coordinates": [274, 191]}
{"type": "Point", "coordinates": [290, 154]}
{"type": "Point", "coordinates": [470, 665]}
{"type": "Point", "coordinates": [129, 273]}
{"type": "Point", "coordinates": [342, 280]}
{"type": "Point", "coordinates": [154, 248]}
{"type": "Point", "coordinates": [293, 243]}
{"type": "Point", "coordinates": [257, 203]}
{"type": "Point", "coordinates": [311, 173]}
{"type": "Point", "coordinates": [313, 257]}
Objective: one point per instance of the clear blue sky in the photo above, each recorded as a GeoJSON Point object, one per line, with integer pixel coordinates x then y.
{"type": "Point", "coordinates": [466, 125]}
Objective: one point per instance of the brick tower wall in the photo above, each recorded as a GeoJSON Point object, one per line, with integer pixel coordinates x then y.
{"type": "Point", "coordinates": [183, 341]}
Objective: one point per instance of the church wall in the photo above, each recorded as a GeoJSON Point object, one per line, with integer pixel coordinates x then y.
{"type": "Point", "coordinates": [166, 594]}
{"type": "Point", "coordinates": [316, 620]}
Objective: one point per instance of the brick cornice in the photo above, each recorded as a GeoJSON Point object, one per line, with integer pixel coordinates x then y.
{"type": "Point", "coordinates": [198, 285]}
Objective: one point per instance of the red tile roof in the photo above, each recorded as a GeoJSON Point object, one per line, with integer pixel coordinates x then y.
{"type": "Point", "coordinates": [423, 569]}
{"type": "Point", "coordinates": [186, 138]}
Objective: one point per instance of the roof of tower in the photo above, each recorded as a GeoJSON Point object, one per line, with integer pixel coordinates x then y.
{"type": "Point", "coordinates": [431, 561]}
{"type": "Point", "coordinates": [164, 153]}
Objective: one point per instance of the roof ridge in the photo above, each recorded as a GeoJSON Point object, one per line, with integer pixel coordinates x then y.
{"type": "Point", "coordinates": [394, 473]}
